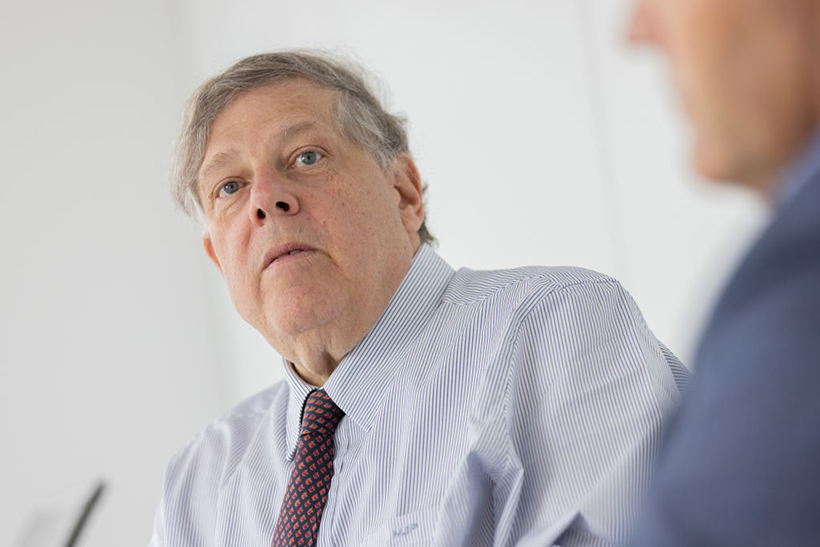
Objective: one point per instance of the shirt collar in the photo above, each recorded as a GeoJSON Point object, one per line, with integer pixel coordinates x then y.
{"type": "Point", "coordinates": [362, 377]}
{"type": "Point", "coordinates": [802, 171]}
{"type": "Point", "coordinates": [299, 390]}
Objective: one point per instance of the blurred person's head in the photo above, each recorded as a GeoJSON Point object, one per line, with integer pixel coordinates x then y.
{"type": "Point", "coordinates": [748, 72]}
{"type": "Point", "coordinates": [311, 203]}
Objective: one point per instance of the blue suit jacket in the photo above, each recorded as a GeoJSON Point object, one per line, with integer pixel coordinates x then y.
{"type": "Point", "coordinates": [742, 464]}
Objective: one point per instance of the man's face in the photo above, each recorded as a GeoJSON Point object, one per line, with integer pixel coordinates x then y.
{"type": "Point", "coordinates": [746, 71]}
{"type": "Point", "coordinates": [311, 235]}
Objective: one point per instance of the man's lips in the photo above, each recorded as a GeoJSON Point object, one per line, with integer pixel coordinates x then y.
{"type": "Point", "coordinates": [286, 252]}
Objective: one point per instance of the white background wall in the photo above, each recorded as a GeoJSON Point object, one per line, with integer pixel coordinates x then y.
{"type": "Point", "coordinates": [544, 140]}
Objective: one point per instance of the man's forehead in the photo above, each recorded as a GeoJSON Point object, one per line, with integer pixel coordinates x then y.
{"type": "Point", "coordinates": [281, 111]}
{"type": "Point", "coordinates": [281, 99]}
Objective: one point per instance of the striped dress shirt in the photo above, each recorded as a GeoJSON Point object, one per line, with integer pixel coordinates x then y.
{"type": "Point", "coordinates": [485, 408]}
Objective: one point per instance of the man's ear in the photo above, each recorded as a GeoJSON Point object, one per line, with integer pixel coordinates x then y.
{"type": "Point", "coordinates": [407, 182]}
{"type": "Point", "coordinates": [209, 250]}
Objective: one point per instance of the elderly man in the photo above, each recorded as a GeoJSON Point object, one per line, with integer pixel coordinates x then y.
{"type": "Point", "coordinates": [742, 466]}
{"type": "Point", "coordinates": [420, 406]}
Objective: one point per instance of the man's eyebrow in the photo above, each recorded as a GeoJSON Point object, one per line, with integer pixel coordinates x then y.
{"type": "Point", "coordinates": [219, 160]}
{"type": "Point", "coordinates": [297, 129]}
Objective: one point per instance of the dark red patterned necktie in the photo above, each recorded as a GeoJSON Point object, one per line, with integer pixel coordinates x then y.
{"type": "Point", "coordinates": [312, 470]}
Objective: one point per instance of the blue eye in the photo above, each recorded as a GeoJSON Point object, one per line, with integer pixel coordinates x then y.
{"type": "Point", "coordinates": [230, 187]}
{"type": "Point", "coordinates": [308, 158]}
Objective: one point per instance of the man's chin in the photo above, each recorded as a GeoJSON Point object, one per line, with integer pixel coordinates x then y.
{"type": "Point", "coordinates": [291, 327]}
{"type": "Point", "coordinates": [724, 166]}
{"type": "Point", "coordinates": [297, 316]}
{"type": "Point", "coordinates": [713, 162]}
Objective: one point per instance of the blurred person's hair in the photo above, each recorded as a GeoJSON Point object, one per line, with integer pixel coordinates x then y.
{"type": "Point", "coordinates": [358, 115]}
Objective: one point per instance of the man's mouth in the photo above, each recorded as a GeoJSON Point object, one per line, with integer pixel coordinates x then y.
{"type": "Point", "coordinates": [283, 253]}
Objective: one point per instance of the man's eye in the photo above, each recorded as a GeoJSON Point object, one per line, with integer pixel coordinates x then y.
{"type": "Point", "coordinates": [228, 188]}
{"type": "Point", "coordinates": [308, 158]}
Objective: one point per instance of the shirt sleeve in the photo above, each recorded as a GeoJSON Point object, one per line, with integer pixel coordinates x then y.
{"type": "Point", "coordinates": [158, 534]}
{"type": "Point", "coordinates": [589, 392]}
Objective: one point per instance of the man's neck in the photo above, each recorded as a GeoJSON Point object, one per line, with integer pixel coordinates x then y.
{"type": "Point", "coordinates": [315, 353]}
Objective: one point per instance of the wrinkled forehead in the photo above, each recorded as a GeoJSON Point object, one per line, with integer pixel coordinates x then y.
{"type": "Point", "coordinates": [277, 111]}
{"type": "Point", "coordinates": [278, 103]}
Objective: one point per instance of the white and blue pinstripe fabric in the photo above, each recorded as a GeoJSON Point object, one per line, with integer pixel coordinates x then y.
{"type": "Point", "coordinates": [521, 407]}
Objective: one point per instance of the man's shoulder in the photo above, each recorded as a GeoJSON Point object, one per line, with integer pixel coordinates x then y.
{"type": "Point", "coordinates": [468, 286]}
{"type": "Point", "coordinates": [780, 275]}
{"type": "Point", "coordinates": [228, 436]}
{"type": "Point", "coordinates": [564, 307]}
{"type": "Point", "coordinates": [256, 404]}
{"type": "Point", "coordinates": [216, 456]}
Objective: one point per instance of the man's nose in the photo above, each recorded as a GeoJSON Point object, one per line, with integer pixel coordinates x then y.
{"type": "Point", "coordinates": [641, 25]}
{"type": "Point", "coordinates": [272, 195]}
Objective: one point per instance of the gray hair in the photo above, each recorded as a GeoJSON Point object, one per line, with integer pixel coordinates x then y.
{"type": "Point", "coordinates": [357, 114]}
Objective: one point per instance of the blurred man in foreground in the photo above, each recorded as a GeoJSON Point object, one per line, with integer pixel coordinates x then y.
{"type": "Point", "coordinates": [742, 465]}
{"type": "Point", "coordinates": [420, 406]}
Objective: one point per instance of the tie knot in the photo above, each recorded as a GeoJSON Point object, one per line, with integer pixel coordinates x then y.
{"type": "Point", "coordinates": [321, 415]}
